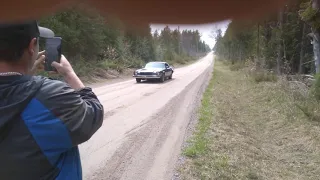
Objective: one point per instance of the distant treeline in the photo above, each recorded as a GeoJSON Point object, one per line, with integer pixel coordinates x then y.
{"type": "Point", "coordinates": [96, 42]}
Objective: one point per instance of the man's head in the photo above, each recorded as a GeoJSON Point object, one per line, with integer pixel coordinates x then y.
{"type": "Point", "coordinates": [19, 45]}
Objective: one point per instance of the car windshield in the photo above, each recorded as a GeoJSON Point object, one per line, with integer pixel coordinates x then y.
{"type": "Point", "coordinates": [155, 65]}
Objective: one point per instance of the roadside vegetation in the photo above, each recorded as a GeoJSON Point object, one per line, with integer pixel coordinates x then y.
{"type": "Point", "coordinates": [249, 129]}
{"type": "Point", "coordinates": [264, 120]}
{"type": "Point", "coordinates": [199, 141]}
{"type": "Point", "coordinates": [105, 47]}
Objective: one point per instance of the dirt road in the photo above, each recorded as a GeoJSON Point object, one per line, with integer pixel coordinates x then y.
{"type": "Point", "coordinates": [144, 125]}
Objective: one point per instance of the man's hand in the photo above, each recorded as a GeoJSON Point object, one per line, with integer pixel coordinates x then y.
{"type": "Point", "coordinates": [39, 63]}
{"type": "Point", "coordinates": [65, 69]}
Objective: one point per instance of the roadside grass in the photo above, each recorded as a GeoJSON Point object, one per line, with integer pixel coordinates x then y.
{"type": "Point", "coordinates": [199, 141]}
{"type": "Point", "coordinates": [237, 66]}
{"type": "Point", "coordinates": [251, 130]}
{"type": "Point", "coordinates": [261, 76]}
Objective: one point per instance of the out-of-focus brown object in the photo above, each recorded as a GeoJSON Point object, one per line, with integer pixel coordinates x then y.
{"type": "Point", "coordinates": [17, 10]}
{"type": "Point", "coordinates": [147, 11]}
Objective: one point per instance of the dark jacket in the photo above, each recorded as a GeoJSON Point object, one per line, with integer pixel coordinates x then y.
{"type": "Point", "coordinates": [41, 123]}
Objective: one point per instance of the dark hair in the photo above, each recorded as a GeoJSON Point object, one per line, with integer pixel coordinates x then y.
{"type": "Point", "coordinates": [12, 49]}
{"type": "Point", "coordinates": [15, 38]}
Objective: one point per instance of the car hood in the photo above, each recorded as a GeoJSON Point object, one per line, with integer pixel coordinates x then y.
{"type": "Point", "coordinates": [150, 69]}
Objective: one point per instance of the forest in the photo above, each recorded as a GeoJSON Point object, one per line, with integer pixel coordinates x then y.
{"type": "Point", "coordinates": [283, 43]}
{"type": "Point", "coordinates": [93, 42]}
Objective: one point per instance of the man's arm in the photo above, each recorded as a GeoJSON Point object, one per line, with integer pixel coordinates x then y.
{"type": "Point", "coordinates": [69, 113]}
{"type": "Point", "coordinates": [78, 110]}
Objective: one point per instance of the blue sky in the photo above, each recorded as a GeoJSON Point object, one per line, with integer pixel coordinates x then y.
{"type": "Point", "coordinates": [206, 30]}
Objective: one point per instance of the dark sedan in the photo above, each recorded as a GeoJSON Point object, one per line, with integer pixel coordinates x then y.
{"type": "Point", "coordinates": [154, 70]}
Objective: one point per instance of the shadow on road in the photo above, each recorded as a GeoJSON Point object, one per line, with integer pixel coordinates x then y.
{"type": "Point", "coordinates": [156, 81]}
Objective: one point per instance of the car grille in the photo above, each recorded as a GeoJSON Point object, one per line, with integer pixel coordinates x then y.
{"type": "Point", "coordinates": [145, 73]}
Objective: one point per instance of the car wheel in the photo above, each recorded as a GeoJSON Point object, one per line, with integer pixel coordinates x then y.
{"type": "Point", "coordinates": [162, 78]}
{"type": "Point", "coordinates": [170, 77]}
{"type": "Point", "coordinates": [138, 80]}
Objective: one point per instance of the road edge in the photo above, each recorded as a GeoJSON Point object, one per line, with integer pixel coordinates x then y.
{"type": "Point", "coordinates": [192, 125]}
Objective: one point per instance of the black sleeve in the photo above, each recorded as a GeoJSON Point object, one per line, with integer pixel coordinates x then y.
{"type": "Point", "coordinates": [80, 111]}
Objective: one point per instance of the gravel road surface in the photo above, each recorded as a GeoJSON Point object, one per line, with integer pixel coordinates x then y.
{"type": "Point", "coordinates": [144, 126]}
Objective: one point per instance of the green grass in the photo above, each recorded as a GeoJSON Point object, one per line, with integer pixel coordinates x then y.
{"type": "Point", "coordinates": [316, 88]}
{"type": "Point", "coordinates": [237, 66]}
{"type": "Point", "coordinates": [250, 130]}
{"type": "Point", "coordinates": [264, 77]}
{"type": "Point", "coordinates": [199, 141]}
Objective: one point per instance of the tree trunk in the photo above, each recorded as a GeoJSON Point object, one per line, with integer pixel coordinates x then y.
{"type": "Point", "coordinates": [267, 37]}
{"type": "Point", "coordinates": [301, 65]}
{"type": "Point", "coordinates": [230, 52]}
{"type": "Point", "coordinates": [240, 49]}
{"type": "Point", "coordinates": [316, 49]}
{"type": "Point", "coordinates": [258, 48]}
{"type": "Point", "coordinates": [280, 51]}
{"type": "Point", "coordinates": [315, 41]}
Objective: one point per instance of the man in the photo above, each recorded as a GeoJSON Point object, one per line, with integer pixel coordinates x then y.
{"type": "Point", "coordinates": [42, 120]}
